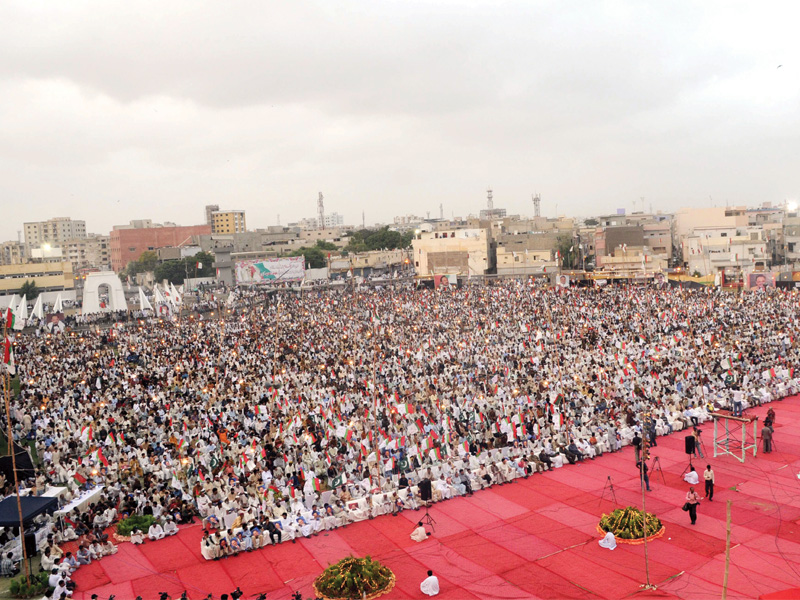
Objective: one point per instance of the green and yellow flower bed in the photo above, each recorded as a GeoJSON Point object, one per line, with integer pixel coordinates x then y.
{"type": "Point", "coordinates": [628, 525]}
{"type": "Point", "coordinates": [353, 579]}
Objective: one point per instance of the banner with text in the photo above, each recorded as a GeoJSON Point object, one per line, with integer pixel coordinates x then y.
{"type": "Point", "coordinates": [272, 270]}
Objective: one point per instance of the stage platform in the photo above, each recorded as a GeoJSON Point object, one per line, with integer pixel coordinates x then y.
{"type": "Point", "coordinates": [534, 538]}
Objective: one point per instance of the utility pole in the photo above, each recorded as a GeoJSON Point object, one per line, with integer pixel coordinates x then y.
{"type": "Point", "coordinates": [11, 450]}
{"type": "Point", "coordinates": [643, 458]}
{"type": "Point", "coordinates": [727, 551]}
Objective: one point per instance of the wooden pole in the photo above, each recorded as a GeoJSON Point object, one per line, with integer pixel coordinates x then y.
{"type": "Point", "coordinates": [727, 551]}
{"type": "Point", "coordinates": [6, 395]}
{"type": "Point", "coordinates": [643, 461]}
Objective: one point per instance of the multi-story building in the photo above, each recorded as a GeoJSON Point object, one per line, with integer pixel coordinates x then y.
{"type": "Point", "coordinates": [91, 252]}
{"type": "Point", "coordinates": [607, 240]}
{"type": "Point", "coordinates": [791, 238]}
{"type": "Point", "coordinates": [333, 220]}
{"type": "Point", "coordinates": [630, 262]}
{"type": "Point", "coordinates": [225, 222]}
{"type": "Point", "coordinates": [12, 253]}
{"type": "Point", "coordinates": [373, 262]}
{"type": "Point", "coordinates": [525, 261]}
{"type": "Point", "coordinates": [464, 252]}
{"type": "Point", "coordinates": [53, 231]}
{"type": "Point", "coordinates": [710, 250]}
{"type": "Point", "coordinates": [48, 276]}
{"type": "Point", "coordinates": [127, 244]}
{"type": "Point", "coordinates": [210, 210]}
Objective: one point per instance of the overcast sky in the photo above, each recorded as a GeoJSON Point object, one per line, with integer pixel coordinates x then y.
{"type": "Point", "coordinates": [112, 111]}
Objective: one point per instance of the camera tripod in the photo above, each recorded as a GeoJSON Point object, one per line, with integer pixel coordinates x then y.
{"type": "Point", "coordinates": [428, 520]}
{"type": "Point", "coordinates": [656, 466]}
{"type": "Point", "coordinates": [608, 486]}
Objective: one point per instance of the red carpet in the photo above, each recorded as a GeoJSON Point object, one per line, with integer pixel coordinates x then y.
{"type": "Point", "coordinates": [534, 538]}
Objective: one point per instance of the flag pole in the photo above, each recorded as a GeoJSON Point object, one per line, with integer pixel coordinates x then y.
{"type": "Point", "coordinates": [6, 394]}
{"type": "Point", "coordinates": [642, 465]}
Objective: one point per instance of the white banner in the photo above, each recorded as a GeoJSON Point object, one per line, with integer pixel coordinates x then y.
{"type": "Point", "coordinates": [270, 270]}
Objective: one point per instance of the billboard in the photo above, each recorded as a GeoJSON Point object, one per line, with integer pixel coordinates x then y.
{"type": "Point", "coordinates": [760, 281]}
{"type": "Point", "coordinates": [445, 281]}
{"type": "Point", "coordinates": [270, 270]}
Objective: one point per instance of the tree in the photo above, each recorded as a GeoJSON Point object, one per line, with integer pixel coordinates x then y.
{"type": "Point", "coordinates": [173, 271]}
{"type": "Point", "coordinates": [378, 239]}
{"type": "Point", "coordinates": [29, 290]}
{"type": "Point", "coordinates": [591, 222]}
{"type": "Point", "coordinates": [565, 244]}
{"type": "Point", "coordinates": [147, 261]}
{"type": "Point", "coordinates": [327, 246]}
{"type": "Point", "coordinates": [204, 258]}
{"type": "Point", "coordinates": [315, 258]}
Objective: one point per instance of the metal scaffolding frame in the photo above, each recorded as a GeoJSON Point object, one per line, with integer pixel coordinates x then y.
{"type": "Point", "coordinates": [726, 442]}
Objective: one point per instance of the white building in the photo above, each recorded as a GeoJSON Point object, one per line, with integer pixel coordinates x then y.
{"type": "Point", "coordinates": [464, 252]}
{"type": "Point", "coordinates": [53, 231]}
{"type": "Point", "coordinates": [710, 250]}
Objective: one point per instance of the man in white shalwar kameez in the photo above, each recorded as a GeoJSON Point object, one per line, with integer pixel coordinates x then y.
{"type": "Point", "coordinates": [430, 586]}
{"type": "Point", "coordinates": [609, 541]}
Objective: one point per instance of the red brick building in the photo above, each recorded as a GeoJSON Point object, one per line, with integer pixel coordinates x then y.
{"type": "Point", "coordinates": [128, 244]}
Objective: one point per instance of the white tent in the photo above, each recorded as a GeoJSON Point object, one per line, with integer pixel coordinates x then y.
{"type": "Point", "coordinates": [172, 296]}
{"type": "Point", "coordinates": [59, 305]}
{"type": "Point", "coordinates": [22, 311]}
{"type": "Point", "coordinates": [38, 310]}
{"type": "Point", "coordinates": [144, 303]}
{"type": "Point", "coordinates": [176, 294]}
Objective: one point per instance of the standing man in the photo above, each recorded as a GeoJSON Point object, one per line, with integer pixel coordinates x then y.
{"type": "Point", "coordinates": [645, 477]}
{"type": "Point", "coordinates": [766, 437]}
{"type": "Point", "coordinates": [636, 442]}
{"type": "Point", "coordinates": [698, 450]}
{"type": "Point", "coordinates": [692, 499]}
{"type": "Point", "coordinates": [708, 475]}
{"type": "Point", "coordinates": [430, 586]}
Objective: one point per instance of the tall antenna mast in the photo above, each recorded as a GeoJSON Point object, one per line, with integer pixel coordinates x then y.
{"type": "Point", "coordinates": [363, 220]}
{"type": "Point", "coordinates": [321, 212]}
{"type": "Point", "coordinates": [441, 211]}
{"type": "Point", "coordinates": [489, 201]}
{"type": "Point", "coordinates": [537, 209]}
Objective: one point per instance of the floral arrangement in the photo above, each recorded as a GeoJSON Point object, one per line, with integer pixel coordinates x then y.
{"type": "Point", "coordinates": [354, 579]}
{"type": "Point", "coordinates": [629, 524]}
{"type": "Point", "coordinates": [38, 586]}
{"type": "Point", "coordinates": [126, 526]}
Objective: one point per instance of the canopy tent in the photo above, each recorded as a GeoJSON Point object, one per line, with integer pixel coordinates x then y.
{"type": "Point", "coordinates": [32, 507]}
{"type": "Point", "coordinates": [24, 464]}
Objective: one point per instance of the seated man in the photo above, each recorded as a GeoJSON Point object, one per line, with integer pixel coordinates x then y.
{"type": "Point", "coordinates": [208, 547]}
{"type": "Point", "coordinates": [137, 537]}
{"type": "Point", "coordinates": [170, 528]}
{"type": "Point", "coordinates": [156, 532]}
{"type": "Point", "coordinates": [691, 477]}
{"type": "Point", "coordinates": [304, 527]}
{"type": "Point", "coordinates": [287, 528]}
{"type": "Point", "coordinates": [419, 534]}
{"type": "Point", "coordinates": [274, 532]}
{"type": "Point", "coordinates": [83, 556]}
{"type": "Point", "coordinates": [8, 568]}
{"type": "Point", "coordinates": [573, 449]}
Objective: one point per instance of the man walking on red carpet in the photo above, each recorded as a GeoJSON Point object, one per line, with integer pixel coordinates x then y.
{"type": "Point", "coordinates": [692, 499]}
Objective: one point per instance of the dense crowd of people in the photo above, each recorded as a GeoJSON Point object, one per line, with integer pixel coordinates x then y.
{"type": "Point", "coordinates": [277, 416]}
